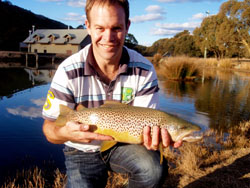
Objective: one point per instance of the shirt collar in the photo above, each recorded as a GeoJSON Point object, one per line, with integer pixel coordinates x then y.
{"type": "Point", "coordinates": [91, 68]}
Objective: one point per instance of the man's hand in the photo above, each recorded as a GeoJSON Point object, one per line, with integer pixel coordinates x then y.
{"type": "Point", "coordinates": [81, 133]}
{"type": "Point", "coordinates": [152, 143]}
{"type": "Point", "coordinates": [72, 131]}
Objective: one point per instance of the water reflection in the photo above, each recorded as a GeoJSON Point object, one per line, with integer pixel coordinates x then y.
{"type": "Point", "coordinates": [28, 111]}
{"type": "Point", "coordinates": [22, 95]}
{"type": "Point", "coordinates": [16, 80]}
{"type": "Point", "coordinates": [223, 100]}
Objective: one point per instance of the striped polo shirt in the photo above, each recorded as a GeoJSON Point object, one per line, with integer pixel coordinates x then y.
{"type": "Point", "coordinates": [78, 80]}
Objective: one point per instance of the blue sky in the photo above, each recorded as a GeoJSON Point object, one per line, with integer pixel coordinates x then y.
{"type": "Point", "coordinates": [151, 19]}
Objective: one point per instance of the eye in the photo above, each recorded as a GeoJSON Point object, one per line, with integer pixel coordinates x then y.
{"type": "Point", "coordinates": [182, 127]}
{"type": "Point", "coordinates": [117, 29]}
{"type": "Point", "coordinates": [99, 29]}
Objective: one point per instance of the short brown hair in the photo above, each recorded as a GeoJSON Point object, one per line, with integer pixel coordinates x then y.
{"type": "Point", "coordinates": [123, 3]}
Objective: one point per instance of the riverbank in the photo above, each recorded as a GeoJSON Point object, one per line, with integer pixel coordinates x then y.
{"type": "Point", "coordinates": [214, 162]}
{"type": "Point", "coordinates": [188, 68]}
{"type": "Point", "coordinates": [15, 59]}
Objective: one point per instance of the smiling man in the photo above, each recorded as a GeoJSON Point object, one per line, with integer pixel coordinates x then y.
{"type": "Point", "coordinates": [105, 70]}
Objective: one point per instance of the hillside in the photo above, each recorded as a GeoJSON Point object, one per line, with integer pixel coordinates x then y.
{"type": "Point", "coordinates": [15, 23]}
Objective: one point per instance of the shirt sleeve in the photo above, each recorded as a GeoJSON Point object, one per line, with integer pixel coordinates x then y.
{"type": "Point", "coordinates": [60, 92]}
{"type": "Point", "coordinates": [147, 94]}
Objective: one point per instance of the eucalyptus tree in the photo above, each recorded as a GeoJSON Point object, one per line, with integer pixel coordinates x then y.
{"type": "Point", "coordinates": [185, 45]}
{"type": "Point", "coordinates": [205, 35]}
{"type": "Point", "coordinates": [238, 15]}
{"type": "Point", "coordinates": [227, 33]}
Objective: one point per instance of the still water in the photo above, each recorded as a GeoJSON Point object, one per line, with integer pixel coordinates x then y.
{"type": "Point", "coordinates": [218, 103]}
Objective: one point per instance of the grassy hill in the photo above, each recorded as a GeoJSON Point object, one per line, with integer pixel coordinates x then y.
{"type": "Point", "coordinates": [15, 23]}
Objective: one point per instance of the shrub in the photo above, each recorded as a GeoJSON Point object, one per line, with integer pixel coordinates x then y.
{"type": "Point", "coordinates": [181, 68]}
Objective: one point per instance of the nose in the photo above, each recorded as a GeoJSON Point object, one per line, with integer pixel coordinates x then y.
{"type": "Point", "coordinates": [108, 35]}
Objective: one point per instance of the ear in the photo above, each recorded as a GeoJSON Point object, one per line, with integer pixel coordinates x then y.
{"type": "Point", "coordinates": [128, 25]}
{"type": "Point", "coordinates": [87, 24]}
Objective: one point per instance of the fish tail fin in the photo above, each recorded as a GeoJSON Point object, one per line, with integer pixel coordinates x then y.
{"type": "Point", "coordinates": [62, 118]}
{"type": "Point", "coordinates": [107, 145]}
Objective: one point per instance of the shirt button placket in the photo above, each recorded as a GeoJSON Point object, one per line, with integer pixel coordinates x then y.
{"type": "Point", "coordinates": [109, 95]}
{"type": "Point", "coordinates": [110, 91]}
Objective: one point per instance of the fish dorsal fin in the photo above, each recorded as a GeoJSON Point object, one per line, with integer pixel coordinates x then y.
{"type": "Point", "coordinates": [62, 118]}
{"type": "Point", "coordinates": [80, 107]}
{"type": "Point", "coordinates": [113, 104]}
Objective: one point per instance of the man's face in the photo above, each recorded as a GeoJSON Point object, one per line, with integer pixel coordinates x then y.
{"type": "Point", "coordinates": [107, 28]}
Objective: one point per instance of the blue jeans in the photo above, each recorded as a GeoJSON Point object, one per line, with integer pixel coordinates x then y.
{"type": "Point", "coordinates": [89, 170]}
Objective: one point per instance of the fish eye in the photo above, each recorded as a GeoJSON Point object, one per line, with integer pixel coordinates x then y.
{"type": "Point", "coordinates": [181, 127]}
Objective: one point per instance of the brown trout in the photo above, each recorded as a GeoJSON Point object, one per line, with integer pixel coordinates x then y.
{"type": "Point", "coordinates": [125, 123]}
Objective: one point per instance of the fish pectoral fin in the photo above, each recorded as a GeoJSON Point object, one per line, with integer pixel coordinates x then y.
{"type": "Point", "coordinates": [62, 118]}
{"type": "Point", "coordinates": [64, 110]}
{"type": "Point", "coordinates": [107, 145]}
{"type": "Point", "coordinates": [80, 107]}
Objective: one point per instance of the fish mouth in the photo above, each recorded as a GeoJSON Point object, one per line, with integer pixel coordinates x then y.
{"type": "Point", "coordinates": [191, 136]}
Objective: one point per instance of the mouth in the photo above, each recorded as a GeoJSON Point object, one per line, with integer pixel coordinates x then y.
{"type": "Point", "coordinates": [107, 46]}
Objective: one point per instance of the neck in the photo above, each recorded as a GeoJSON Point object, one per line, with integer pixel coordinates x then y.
{"type": "Point", "coordinates": [109, 68]}
{"type": "Point", "coordinates": [109, 71]}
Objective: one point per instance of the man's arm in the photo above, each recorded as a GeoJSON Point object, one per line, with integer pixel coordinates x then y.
{"type": "Point", "coordinates": [70, 132]}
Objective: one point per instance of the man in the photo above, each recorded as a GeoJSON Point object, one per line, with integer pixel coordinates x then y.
{"type": "Point", "coordinates": [105, 70]}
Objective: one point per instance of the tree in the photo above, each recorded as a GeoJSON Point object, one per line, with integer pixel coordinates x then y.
{"type": "Point", "coordinates": [238, 16]}
{"type": "Point", "coordinates": [229, 44]}
{"type": "Point", "coordinates": [81, 26]}
{"type": "Point", "coordinates": [181, 44]}
{"type": "Point", "coordinates": [185, 45]}
{"type": "Point", "coordinates": [227, 33]}
{"type": "Point", "coordinates": [130, 39]}
{"type": "Point", "coordinates": [205, 37]}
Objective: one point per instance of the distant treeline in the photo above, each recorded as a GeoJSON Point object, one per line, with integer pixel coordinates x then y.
{"type": "Point", "coordinates": [223, 35]}
{"type": "Point", "coordinates": [15, 23]}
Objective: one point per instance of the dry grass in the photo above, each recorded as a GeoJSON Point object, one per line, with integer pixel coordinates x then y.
{"type": "Point", "coordinates": [178, 68]}
{"type": "Point", "coordinates": [211, 62]}
{"type": "Point", "coordinates": [156, 59]}
{"type": "Point", "coordinates": [205, 165]}
{"type": "Point", "coordinates": [218, 161]}
{"type": "Point", "coordinates": [243, 66]}
{"type": "Point", "coordinates": [36, 178]}
{"type": "Point", "coordinates": [226, 64]}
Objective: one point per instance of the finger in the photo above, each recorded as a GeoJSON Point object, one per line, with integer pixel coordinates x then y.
{"type": "Point", "coordinates": [155, 137]}
{"type": "Point", "coordinates": [166, 140]}
{"type": "Point", "coordinates": [84, 127]}
{"type": "Point", "coordinates": [147, 137]}
{"type": "Point", "coordinates": [177, 144]}
{"type": "Point", "coordinates": [73, 126]}
{"type": "Point", "coordinates": [95, 136]}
